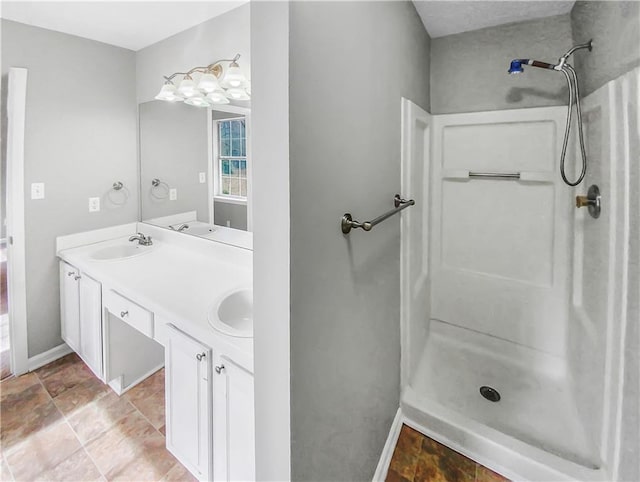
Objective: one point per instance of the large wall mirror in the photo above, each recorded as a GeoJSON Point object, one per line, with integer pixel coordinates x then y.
{"type": "Point", "coordinates": [195, 168]}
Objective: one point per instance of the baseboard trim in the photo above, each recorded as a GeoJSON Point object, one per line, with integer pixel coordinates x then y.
{"type": "Point", "coordinates": [387, 452]}
{"type": "Point", "coordinates": [48, 356]}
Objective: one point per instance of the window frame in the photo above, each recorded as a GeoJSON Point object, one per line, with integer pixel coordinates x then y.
{"type": "Point", "coordinates": [218, 158]}
{"type": "Point", "coordinates": [213, 169]}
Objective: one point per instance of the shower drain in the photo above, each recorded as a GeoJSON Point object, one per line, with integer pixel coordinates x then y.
{"type": "Point", "coordinates": [490, 394]}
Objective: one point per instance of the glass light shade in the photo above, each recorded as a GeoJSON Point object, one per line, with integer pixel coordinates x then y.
{"type": "Point", "coordinates": [198, 101]}
{"type": "Point", "coordinates": [237, 94]}
{"type": "Point", "coordinates": [234, 77]}
{"type": "Point", "coordinates": [168, 92]}
{"type": "Point", "coordinates": [208, 83]}
{"type": "Point", "coordinates": [187, 87]}
{"type": "Point", "coordinates": [217, 97]}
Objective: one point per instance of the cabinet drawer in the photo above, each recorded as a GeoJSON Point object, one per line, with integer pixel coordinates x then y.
{"type": "Point", "coordinates": [129, 312]}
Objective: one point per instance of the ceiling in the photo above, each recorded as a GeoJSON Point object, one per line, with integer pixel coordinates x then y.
{"type": "Point", "coordinates": [132, 25]}
{"type": "Point", "coordinates": [447, 17]}
{"type": "Point", "coordinates": [137, 24]}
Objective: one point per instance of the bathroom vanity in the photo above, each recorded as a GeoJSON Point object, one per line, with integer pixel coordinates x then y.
{"type": "Point", "coordinates": [129, 309]}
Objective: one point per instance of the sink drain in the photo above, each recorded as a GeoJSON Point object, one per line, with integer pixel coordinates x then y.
{"type": "Point", "coordinates": [490, 394]}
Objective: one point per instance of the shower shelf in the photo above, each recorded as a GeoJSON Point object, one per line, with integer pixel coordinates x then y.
{"type": "Point", "coordinates": [527, 176]}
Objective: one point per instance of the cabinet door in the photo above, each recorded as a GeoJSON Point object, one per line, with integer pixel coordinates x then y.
{"type": "Point", "coordinates": [188, 402]}
{"type": "Point", "coordinates": [91, 323]}
{"type": "Point", "coordinates": [234, 425]}
{"type": "Point", "coordinates": [70, 305]}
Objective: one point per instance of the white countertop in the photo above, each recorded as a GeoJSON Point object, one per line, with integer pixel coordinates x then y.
{"type": "Point", "coordinates": [178, 279]}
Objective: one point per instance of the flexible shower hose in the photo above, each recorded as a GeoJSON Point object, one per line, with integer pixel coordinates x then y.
{"type": "Point", "coordinates": [574, 97]}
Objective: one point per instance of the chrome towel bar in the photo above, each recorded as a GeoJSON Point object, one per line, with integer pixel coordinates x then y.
{"type": "Point", "coordinates": [348, 223]}
{"type": "Point", "coordinates": [495, 175]}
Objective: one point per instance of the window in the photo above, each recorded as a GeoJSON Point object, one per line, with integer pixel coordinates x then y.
{"type": "Point", "coordinates": [232, 158]}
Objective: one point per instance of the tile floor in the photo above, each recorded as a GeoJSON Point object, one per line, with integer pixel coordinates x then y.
{"type": "Point", "coordinates": [418, 458]}
{"type": "Point", "coordinates": [62, 423]}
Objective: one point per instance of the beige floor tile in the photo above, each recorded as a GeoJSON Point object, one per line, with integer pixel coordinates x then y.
{"type": "Point", "coordinates": [100, 415]}
{"type": "Point", "coordinates": [42, 451]}
{"type": "Point", "coordinates": [16, 385]}
{"type": "Point", "coordinates": [66, 378]}
{"type": "Point", "coordinates": [151, 463]}
{"type": "Point", "coordinates": [71, 401]}
{"type": "Point", "coordinates": [5, 473]}
{"type": "Point", "coordinates": [55, 366]}
{"type": "Point", "coordinates": [119, 446]}
{"type": "Point", "coordinates": [179, 474]}
{"type": "Point", "coordinates": [152, 408]}
{"type": "Point", "coordinates": [24, 414]}
{"type": "Point", "coordinates": [148, 387]}
{"type": "Point", "coordinates": [77, 467]}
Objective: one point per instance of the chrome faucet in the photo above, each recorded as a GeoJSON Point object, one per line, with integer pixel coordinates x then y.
{"type": "Point", "coordinates": [142, 239]}
{"type": "Point", "coordinates": [180, 228]}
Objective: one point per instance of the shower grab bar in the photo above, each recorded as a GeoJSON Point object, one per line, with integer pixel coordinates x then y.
{"type": "Point", "coordinates": [495, 175]}
{"type": "Point", "coordinates": [348, 223]}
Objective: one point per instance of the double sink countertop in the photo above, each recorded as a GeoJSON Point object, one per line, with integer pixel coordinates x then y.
{"type": "Point", "coordinates": [179, 278]}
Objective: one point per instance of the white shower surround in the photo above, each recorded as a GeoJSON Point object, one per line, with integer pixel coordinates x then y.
{"type": "Point", "coordinates": [583, 371]}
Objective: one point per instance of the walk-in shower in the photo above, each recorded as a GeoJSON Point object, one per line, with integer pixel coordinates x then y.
{"type": "Point", "coordinates": [512, 301]}
{"type": "Point", "coordinates": [574, 99]}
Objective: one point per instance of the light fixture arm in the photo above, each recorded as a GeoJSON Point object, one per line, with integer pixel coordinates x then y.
{"type": "Point", "coordinates": [209, 68]}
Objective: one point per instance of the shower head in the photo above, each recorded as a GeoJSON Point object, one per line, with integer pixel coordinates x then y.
{"type": "Point", "coordinates": [516, 66]}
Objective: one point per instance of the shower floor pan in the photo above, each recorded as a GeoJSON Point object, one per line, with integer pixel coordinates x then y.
{"type": "Point", "coordinates": [533, 432]}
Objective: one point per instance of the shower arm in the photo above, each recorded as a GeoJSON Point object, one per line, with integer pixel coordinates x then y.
{"type": "Point", "coordinates": [562, 61]}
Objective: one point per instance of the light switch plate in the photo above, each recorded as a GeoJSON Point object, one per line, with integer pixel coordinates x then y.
{"type": "Point", "coordinates": [37, 190]}
{"type": "Point", "coordinates": [94, 204]}
{"type": "Point", "coordinates": [202, 177]}
{"type": "Point", "coordinates": [173, 194]}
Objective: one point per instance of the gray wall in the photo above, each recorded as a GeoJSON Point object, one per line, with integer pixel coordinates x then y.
{"type": "Point", "coordinates": [218, 38]}
{"type": "Point", "coordinates": [469, 70]}
{"type": "Point", "coordinates": [173, 148]}
{"type": "Point", "coordinates": [80, 137]}
{"type": "Point", "coordinates": [235, 214]}
{"type": "Point", "coordinates": [615, 30]}
{"type": "Point", "coordinates": [345, 92]}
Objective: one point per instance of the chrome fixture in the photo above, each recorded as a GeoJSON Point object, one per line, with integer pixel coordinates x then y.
{"type": "Point", "coordinates": [592, 201]}
{"type": "Point", "coordinates": [180, 228]}
{"type": "Point", "coordinates": [563, 66]}
{"type": "Point", "coordinates": [348, 223]}
{"type": "Point", "coordinates": [216, 85]}
{"type": "Point", "coordinates": [201, 356]}
{"type": "Point", "coordinates": [117, 186]}
{"type": "Point", "coordinates": [219, 369]}
{"type": "Point", "coordinates": [495, 175]}
{"type": "Point", "coordinates": [142, 239]}
{"type": "Point", "coordinates": [164, 194]}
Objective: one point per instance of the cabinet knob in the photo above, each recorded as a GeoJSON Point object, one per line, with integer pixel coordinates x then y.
{"type": "Point", "coordinates": [77, 277]}
{"type": "Point", "coordinates": [200, 356]}
{"type": "Point", "coordinates": [123, 314]}
{"type": "Point", "coordinates": [70, 273]}
{"type": "Point", "coordinates": [219, 369]}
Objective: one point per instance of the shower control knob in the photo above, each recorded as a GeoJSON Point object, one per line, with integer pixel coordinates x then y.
{"type": "Point", "coordinates": [592, 201]}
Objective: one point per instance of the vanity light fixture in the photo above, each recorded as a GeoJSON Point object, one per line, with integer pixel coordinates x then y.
{"type": "Point", "coordinates": [216, 85]}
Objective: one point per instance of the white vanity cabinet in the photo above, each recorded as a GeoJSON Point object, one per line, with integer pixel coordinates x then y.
{"type": "Point", "coordinates": [233, 422]}
{"type": "Point", "coordinates": [188, 393]}
{"type": "Point", "coordinates": [81, 310]}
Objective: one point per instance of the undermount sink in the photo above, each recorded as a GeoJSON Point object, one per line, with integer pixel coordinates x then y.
{"type": "Point", "coordinates": [119, 251]}
{"type": "Point", "coordinates": [233, 314]}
